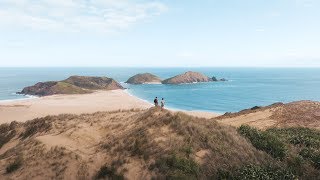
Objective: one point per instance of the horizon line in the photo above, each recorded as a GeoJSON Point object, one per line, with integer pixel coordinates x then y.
{"type": "Point", "coordinates": [160, 67]}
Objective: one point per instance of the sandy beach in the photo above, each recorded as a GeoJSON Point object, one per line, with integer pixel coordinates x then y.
{"type": "Point", "coordinates": [23, 110]}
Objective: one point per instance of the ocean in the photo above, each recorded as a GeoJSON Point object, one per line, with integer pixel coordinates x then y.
{"type": "Point", "coordinates": [245, 88]}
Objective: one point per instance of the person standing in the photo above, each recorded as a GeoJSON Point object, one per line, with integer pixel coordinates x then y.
{"type": "Point", "coordinates": [155, 101]}
{"type": "Point", "coordinates": [162, 103]}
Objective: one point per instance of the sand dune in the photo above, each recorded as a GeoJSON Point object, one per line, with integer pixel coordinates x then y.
{"type": "Point", "coordinates": [299, 113]}
{"type": "Point", "coordinates": [137, 144]}
{"type": "Point", "coordinates": [130, 141]}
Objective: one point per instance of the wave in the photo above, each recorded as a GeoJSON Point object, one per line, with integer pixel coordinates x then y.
{"type": "Point", "coordinates": [24, 97]}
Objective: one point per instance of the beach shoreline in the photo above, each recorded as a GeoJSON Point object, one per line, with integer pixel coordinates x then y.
{"type": "Point", "coordinates": [197, 112]}
{"type": "Point", "coordinates": [22, 110]}
{"type": "Point", "coordinates": [25, 97]}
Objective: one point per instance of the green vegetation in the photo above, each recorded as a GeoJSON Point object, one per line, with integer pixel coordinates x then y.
{"type": "Point", "coordinates": [257, 173]}
{"type": "Point", "coordinates": [15, 165]}
{"type": "Point", "coordinates": [311, 154]}
{"type": "Point", "coordinates": [106, 172]}
{"type": "Point", "coordinates": [66, 88]}
{"type": "Point", "coordinates": [264, 141]}
{"type": "Point", "coordinates": [175, 167]}
{"type": "Point", "coordinates": [298, 136]}
{"type": "Point", "coordinates": [262, 173]}
{"type": "Point", "coordinates": [72, 85]}
{"type": "Point", "coordinates": [304, 140]}
{"type": "Point", "coordinates": [298, 148]}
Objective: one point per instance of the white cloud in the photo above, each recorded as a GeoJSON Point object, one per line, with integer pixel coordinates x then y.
{"type": "Point", "coordinates": [77, 15]}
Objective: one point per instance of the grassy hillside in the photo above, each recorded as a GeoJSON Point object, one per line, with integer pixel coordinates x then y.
{"type": "Point", "coordinates": [72, 85]}
{"type": "Point", "coordinates": [93, 83]}
{"type": "Point", "coordinates": [146, 144]}
{"type": "Point", "coordinates": [65, 88]}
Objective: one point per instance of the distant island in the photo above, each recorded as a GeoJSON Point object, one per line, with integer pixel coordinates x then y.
{"type": "Point", "coordinates": [187, 77]}
{"type": "Point", "coordinates": [72, 85]}
{"type": "Point", "coordinates": [145, 78]}
{"type": "Point", "coordinates": [88, 84]}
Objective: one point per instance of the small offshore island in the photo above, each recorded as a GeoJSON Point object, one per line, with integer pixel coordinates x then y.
{"type": "Point", "coordinates": [145, 78]}
{"type": "Point", "coordinates": [188, 77]}
{"type": "Point", "coordinates": [185, 78]}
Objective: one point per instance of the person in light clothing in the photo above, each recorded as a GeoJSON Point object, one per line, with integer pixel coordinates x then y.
{"type": "Point", "coordinates": [162, 103]}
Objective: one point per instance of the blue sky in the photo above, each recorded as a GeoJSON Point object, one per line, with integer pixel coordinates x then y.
{"type": "Point", "coordinates": [166, 33]}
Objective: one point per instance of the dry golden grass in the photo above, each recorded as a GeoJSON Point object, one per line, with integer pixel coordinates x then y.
{"type": "Point", "coordinates": [300, 113]}
{"type": "Point", "coordinates": [134, 144]}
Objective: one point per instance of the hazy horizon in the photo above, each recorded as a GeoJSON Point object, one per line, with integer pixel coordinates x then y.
{"type": "Point", "coordinates": [160, 33]}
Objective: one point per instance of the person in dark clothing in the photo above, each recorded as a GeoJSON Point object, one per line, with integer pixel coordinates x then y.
{"type": "Point", "coordinates": [155, 101]}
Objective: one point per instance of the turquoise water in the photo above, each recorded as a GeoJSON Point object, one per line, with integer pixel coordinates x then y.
{"type": "Point", "coordinates": [247, 87]}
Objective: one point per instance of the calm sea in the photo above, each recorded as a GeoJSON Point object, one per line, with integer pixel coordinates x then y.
{"type": "Point", "coordinates": [247, 87]}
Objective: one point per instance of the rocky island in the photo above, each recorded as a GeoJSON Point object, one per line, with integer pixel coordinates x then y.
{"type": "Point", "coordinates": [145, 78]}
{"type": "Point", "coordinates": [188, 77]}
{"type": "Point", "coordinates": [72, 85]}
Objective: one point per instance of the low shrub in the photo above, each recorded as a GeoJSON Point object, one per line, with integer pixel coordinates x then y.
{"type": "Point", "coordinates": [311, 154]}
{"type": "Point", "coordinates": [106, 172]}
{"type": "Point", "coordinates": [15, 165]}
{"type": "Point", "coordinates": [255, 172]}
{"type": "Point", "coordinates": [264, 141]}
{"type": "Point", "coordinates": [305, 141]}
{"type": "Point", "coordinates": [262, 173]}
{"type": "Point", "coordinates": [298, 136]}
{"type": "Point", "coordinates": [175, 167]}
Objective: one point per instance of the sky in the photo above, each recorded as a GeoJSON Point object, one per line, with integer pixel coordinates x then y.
{"type": "Point", "coordinates": [160, 33]}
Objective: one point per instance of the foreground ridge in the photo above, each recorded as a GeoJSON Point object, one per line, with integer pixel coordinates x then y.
{"type": "Point", "coordinates": [138, 144]}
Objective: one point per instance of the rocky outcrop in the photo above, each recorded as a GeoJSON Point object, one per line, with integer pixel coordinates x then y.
{"type": "Point", "coordinates": [214, 78]}
{"type": "Point", "coordinates": [188, 77]}
{"type": "Point", "coordinates": [145, 78]}
{"type": "Point", "coordinates": [72, 85]}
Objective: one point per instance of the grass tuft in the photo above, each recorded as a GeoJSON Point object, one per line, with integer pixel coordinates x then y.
{"type": "Point", "coordinates": [15, 165]}
{"type": "Point", "coordinates": [175, 167]}
{"type": "Point", "coordinates": [106, 172]}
